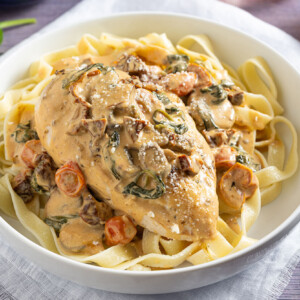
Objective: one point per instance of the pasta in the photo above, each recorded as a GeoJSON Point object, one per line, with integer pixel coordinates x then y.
{"type": "Point", "coordinates": [243, 142]}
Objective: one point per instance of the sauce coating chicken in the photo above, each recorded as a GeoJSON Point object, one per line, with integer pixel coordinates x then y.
{"type": "Point", "coordinates": [138, 150]}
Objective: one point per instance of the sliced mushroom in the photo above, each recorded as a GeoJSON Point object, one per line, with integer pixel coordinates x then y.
{"type": "Point", "coordinates": [236, 96]}
{"type": "Point", "coordinates": [152, 158]}
{"type": "Point", "coordinates": [134, 127]}
{"type": "Point", "coordinates": [131, 64]}
{"type": "Point", "coordinates": [222, 137]}
{"type": "Point", "coordinates": [97, 130]}
{"type": "Point", "coordinates": [79, 237]}
{"type": "Point", "coordinates": [237, 184]}
{"type": "Point", "coordinates": [210, 108]}
{"type": "Point", "coordinates": [60, 204]}
{"type": "Point", "coordinates": [21, 185]}
{"type": "Point", "coordinates": [105, 212]}
{"type": "Point", "coordinates": [170, 155]}
{"type": "Point", "coordinates": [177, 142]}
{"type": "Point", "coordinates": [94, 212]}
{"type": "Point", "coordinates": [95, 127]}
{"type": "Point", "coordinates": [80, 112]}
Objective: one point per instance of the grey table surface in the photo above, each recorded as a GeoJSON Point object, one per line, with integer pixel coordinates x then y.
{"type": "Point", "coordinates": [284, 14]}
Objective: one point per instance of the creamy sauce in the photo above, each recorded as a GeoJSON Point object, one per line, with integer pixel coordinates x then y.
{"type": "Point", "coordinates": [190, 202]}
{"type": "Point", "coordinates": [138, 148]}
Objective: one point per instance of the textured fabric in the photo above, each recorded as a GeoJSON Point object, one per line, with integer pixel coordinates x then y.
{"type": "Point", "coordinates": [21, 279]}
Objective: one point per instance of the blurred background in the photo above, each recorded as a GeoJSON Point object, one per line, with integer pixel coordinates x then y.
{"type": "Point", "coordinates": [284, 14]}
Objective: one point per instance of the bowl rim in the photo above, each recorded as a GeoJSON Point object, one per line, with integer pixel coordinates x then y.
{"type": "Point", "coordinates": [269, 238]}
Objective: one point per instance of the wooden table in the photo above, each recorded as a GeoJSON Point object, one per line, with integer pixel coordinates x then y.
{"type": "Point", "coordinates": [284, 14]}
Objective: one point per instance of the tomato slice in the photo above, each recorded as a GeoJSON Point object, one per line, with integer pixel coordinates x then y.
{"type": "Point", "coordinates": [70, 179]}
{"type": "Point", "coordinates": [119, 230]}
{"type": "Point", "coordinates": [30, 152]}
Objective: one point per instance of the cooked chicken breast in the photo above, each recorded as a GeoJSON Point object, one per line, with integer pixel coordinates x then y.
{"type": "Point", "coordinates": [139, 151]}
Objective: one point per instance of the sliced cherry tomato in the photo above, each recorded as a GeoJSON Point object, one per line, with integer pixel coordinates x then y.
{"type": "Point", "coordinates": [119, 230]}
{"type": "Point", "coordinates": [70, 179]}
{"type": "Point", "coordinates": [30, 153]}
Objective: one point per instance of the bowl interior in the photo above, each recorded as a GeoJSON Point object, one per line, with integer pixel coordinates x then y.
{"type": "Point", "coordinates": [231, 46]}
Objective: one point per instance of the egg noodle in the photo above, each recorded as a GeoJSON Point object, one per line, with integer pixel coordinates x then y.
{"type": "Point", "coordinates": [261, 112]}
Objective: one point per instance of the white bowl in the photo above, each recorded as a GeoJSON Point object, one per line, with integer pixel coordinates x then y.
{"type": "Point", "coordinates": [231, 46]}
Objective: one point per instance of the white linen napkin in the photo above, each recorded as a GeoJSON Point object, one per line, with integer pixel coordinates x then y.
{"type": "Point", "coordinates": [21, 279]}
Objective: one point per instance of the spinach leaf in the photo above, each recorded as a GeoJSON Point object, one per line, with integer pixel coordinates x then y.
{"type": "Point", "coordinates": [162, 98]}
{"type": "Point", "coordinates": [77, 74]}
{"type": "Point", "coordinates": [217, 91]}
{"type": "Point", "coordinates": [57, 221]}
{"type": "Point", "coordinates": [245, 159]}
{"type": "Point", "coordinates": [167, 120]}
{"type": "Point", "coordinates": [206, 116]}
{"type": "Point", "coordinates": [134, 189]}
{"type": "Point", "coordinates": [177, 63]}
{"type": "Point", "coordinates": [35, 186]}
{"type": "Point", "coordinates": [24, 133]}
{"type": "Point", "coordinates": [114, 140]}
{"type": "Point", "coordinates": [172, 110]}
{"type": "Point", "coordinates": [114, 170]}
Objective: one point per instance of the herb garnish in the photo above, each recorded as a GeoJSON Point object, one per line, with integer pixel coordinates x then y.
{"type": "Point", "coordinates": [134, 189]}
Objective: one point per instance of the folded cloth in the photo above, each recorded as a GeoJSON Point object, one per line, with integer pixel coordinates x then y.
{"type": "Point", "coordinates": [21, 279]}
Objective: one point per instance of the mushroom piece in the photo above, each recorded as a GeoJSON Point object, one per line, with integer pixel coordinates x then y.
{"type": "Point", "coordinates": [131, 64]}
{"type": "Point", "coordinates": [21, 185]}
{"type": "Point", "coordinates": [134, 127]}
{"type": "Point", "coordinates": [95, 127]}
{"type": "Point", "coordinates": [76, 236]}
{"type": "Point", "coordinates": [176, 142]}
{"type": "Point", "coordinates": [236, 96]}
{"type": "Point", "coordinates": [94, 212]}
{"type": "Point", "coordinates": [89, 211]}
{"type": "Point", "coordinates": [152, 158]}
{"type": "Point", "coordinates": [97, 130]}
{"type": "Point", "coordinates": [60, 204]}
{"type": "Point", "coordinates": [221, 137]}
{"type": "Point", "coordinates": [237, 184]}
{"type": "Point", "coordinates": [105, 212]}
